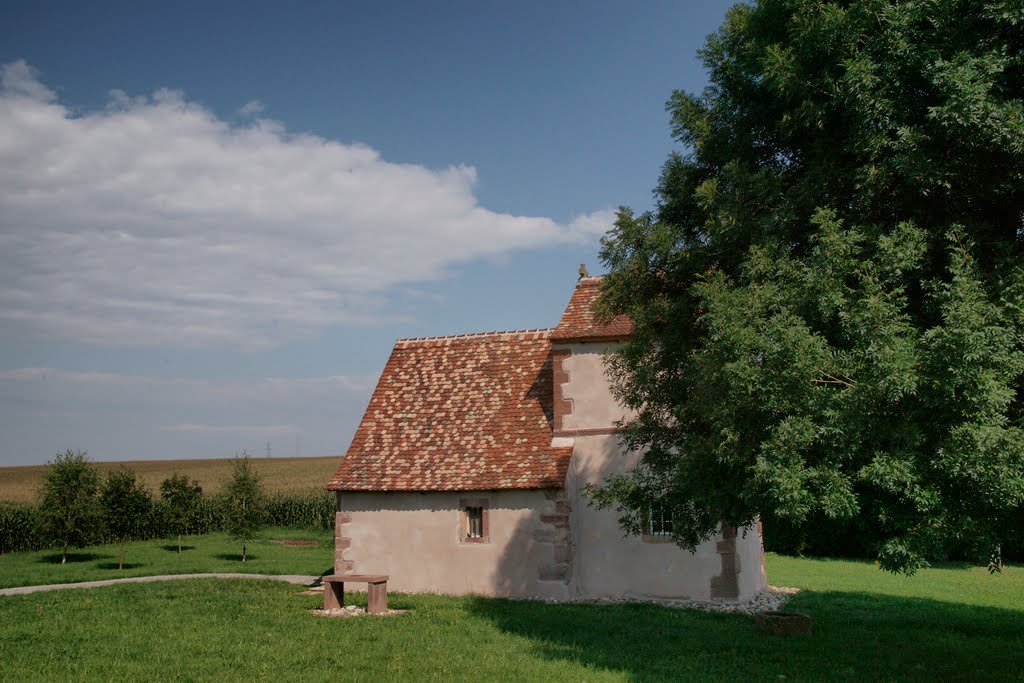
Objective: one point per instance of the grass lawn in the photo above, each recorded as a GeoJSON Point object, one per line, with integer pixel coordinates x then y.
{"type": "Point", "coordinates": [285, 475]}
{"type": "Point", "coordinates": [943, 624]}
{"type": "Point", "coordinates": [210, 553]}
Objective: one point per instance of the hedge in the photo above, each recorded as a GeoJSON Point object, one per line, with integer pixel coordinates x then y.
{"type": "Point", "coordinates": [822, 537]}
{"type": "Point", "coordinates": [20, 527]}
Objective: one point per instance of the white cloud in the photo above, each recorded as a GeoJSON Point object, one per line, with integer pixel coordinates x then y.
{"type": "Point", "coordinates": [251, 108]}
{"type": "Point", "coordinates": [155, 222]}
{"type": "Point", "coordinates": [21, 79]}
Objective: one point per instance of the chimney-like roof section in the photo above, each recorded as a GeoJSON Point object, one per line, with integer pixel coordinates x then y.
{"type": "Point", "coordinates": [579, 323]}
{"type": "Point", "coordinates": [463, 413]}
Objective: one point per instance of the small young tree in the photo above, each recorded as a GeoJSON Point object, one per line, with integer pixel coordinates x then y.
{"type": "Point", "coordinates": [243, 497]}
{"type": "Point", "coordinates": [125, 502]}
{"type": "Point", "coordinates": [182, 497]}
{"type": "Point", "coordinates": [68, 503]}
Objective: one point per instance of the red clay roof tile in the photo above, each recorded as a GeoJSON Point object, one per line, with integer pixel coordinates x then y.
{"type": "Point", "coordinates": [579, 323]}
{"type": "Point", "coordinates": [463, 413]}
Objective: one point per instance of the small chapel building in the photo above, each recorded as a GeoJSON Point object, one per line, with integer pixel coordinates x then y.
{"type": "Point", "coordinates": [467, 475]}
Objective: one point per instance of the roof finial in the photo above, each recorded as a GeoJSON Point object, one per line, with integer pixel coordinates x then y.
{"type": "Point", "coordinates": [583, 271]}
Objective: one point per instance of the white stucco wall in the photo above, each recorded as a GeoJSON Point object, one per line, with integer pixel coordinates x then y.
{"type": "Point", "coordinates": [415, 538]}
{"type": "Point", "coordinates": [594, 407]}
{"type": "Point", "coordinates": [750, 550]}
{"type": "Point", "coordinates": [608, 563]}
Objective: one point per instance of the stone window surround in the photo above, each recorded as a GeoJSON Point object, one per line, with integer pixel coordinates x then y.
{"type": "Point", "coordinates": [484, 503]}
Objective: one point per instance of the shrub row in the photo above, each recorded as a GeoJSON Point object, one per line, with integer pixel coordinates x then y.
{"type": "Point", "coordinates": [823, 537]}
{"type": "Point", "coordinates": [21, 528]}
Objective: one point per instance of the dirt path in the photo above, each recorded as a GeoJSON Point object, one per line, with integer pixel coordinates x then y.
{"type": "Point", "coordinates": [289, 578]}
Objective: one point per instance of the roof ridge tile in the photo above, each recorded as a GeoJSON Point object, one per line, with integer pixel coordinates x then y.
{"type": "Point", "coordinates": [500, 335]}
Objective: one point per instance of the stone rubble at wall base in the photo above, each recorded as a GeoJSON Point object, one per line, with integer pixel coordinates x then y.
{"type": "Point", "coordinates": [770, 600]}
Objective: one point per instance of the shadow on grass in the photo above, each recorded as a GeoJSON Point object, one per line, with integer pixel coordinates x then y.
{"type": "Point", "coordinates": [113, 565]}
{"type": "Point", "coordinates": [54, 558]}
{"type": "Point", "coordinates": [855, 635]}
{"type": "Point", "coordinates": [174, 548]}
{"type": "Point", "coordinates": [236, 557]}
{"type": "Point", "coordinates": [872, 562]}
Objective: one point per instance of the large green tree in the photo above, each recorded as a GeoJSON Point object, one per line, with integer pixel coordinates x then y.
{"type": "Point", "coordinates": [827, 298]}
{"type": "Point", "coordinates": [69, 501]}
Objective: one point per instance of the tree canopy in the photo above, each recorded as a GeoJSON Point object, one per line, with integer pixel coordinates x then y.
{"type": "Point", "coordinates": [827, 297]}
{"type": "Point", "coordinates": [125, 503]}
{"type": "Point", "coordinates": [182, 497]}
{"type": "Point", "coordinates": [68, 501]}
{"type": "Point", "coordinates": [244, 502]}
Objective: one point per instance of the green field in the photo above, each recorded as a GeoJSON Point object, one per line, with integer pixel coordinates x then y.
{"type": "Point", "coordinates": [948, 623]}
{"type": "Point", "coordinates": [214, 552]}
{"type": "Point", "coordinates": [285, 475]}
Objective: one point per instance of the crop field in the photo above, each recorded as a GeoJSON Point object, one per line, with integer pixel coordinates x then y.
{"type": "Point", "coordinates": [284, 475]}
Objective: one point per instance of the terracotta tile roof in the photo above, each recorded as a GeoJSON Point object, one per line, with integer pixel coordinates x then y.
{"type": "Point", "coordinates": [463, 413]}
{"type": "Point", "coordinates": [578, 323]}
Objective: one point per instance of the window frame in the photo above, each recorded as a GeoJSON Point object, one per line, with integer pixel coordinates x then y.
{"type": "Point", "coordinates": [656, 509]}
{"type": "Point", "coordinates": [483, 504]}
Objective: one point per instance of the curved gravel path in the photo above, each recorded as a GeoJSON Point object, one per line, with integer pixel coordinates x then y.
{"type": "Point", "coordinates": [289, 578]}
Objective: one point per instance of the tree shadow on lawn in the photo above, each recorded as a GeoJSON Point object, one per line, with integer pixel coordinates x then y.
{"type": "Point", "coordinates": [54, 558]}
{"type": "Point", "coordinates": [236, 556]}
{"type": "Point", "coordinates": [174, 548]}
{"type": "Point", "coordinates": [855, 635]}
{"type": "Point", "coordinates": [113, 565]}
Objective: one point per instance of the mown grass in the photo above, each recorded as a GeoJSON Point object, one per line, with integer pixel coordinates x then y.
{"type": "Point", "coordinates": [948, 624]}
{"type": "Point", "coordinates": [214, 552]}
{"type": "Point", "coordinates": [285, 475]}
{"type": "Point", "coordinates": [958, 583]}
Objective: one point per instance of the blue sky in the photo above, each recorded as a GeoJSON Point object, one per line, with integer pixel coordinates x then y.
{"type": "Point", "coordinates": [215, 218]}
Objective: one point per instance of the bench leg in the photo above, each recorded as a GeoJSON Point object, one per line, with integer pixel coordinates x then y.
{"type": "Point", "coordinates": [334, 594]}
{"type": "Point", "coordinates": [377, 598]}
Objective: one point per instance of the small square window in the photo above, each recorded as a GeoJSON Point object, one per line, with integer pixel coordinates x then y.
{"type": "Point", "coordinates": [657, 523]}
{"type": "Point", "coordinates": [474, 520]}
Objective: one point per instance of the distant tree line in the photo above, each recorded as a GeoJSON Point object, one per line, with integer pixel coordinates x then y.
{"type": "Point", "coordinates": [77, 507]}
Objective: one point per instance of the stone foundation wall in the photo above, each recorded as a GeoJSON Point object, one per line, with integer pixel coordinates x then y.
{"type": "Point", "coordinates": [342, 543]}
{"type": "Point", "coordinates": [555, 529]}
{"type": "Point", "coordinates": [726, 585]}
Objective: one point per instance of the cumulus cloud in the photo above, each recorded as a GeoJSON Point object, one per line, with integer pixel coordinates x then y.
{"type": "Point", "coordinates": [251, 108]}
{"type": "Point", "coordinates": [154, 222]}
{"type": "Point", "coordinates": [22, 79]}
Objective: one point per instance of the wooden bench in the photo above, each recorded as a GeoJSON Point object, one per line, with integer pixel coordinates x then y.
{"type": "Point", "coordinates": [376, 590]}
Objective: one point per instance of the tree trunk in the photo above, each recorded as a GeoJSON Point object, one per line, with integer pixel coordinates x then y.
{"type": "Point", "coordinates": [243, 552]}
{"type": "Point", "coordinates": [179, 543]}
{"type": "Point", "coordinates": [64, 554]}
{"type": "Point", "coordinates": [120, 560]}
